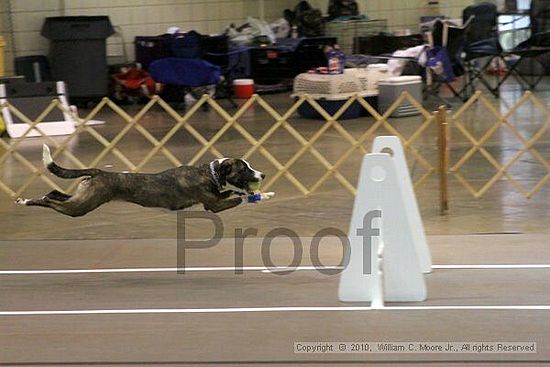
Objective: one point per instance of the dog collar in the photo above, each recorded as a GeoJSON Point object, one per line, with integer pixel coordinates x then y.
{"type": "Point", "coordinates": [214, 176]}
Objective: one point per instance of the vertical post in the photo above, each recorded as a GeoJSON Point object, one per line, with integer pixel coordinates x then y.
{"type": "Point", "coordinates": [262, 10]}
{"type": "Point", "coordinates": [443, 143]}
{"type": "Point", "coordinates": [62, 8]}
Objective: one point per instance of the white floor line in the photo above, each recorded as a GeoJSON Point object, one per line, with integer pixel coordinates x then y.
{"type": "Point", "coordinates": [272, 309]}
{"type": "Point", "coordinates": [160, 270]}
{"type": "Point", "coordinates": [127, 270]}
{"type": "Point", "coordinates": [493, 266]}
{"type": "Point", "coordinates": [252, 268]}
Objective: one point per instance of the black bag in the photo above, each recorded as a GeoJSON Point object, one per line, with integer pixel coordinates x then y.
{"type": "Point", "coordinates": [308, 20]}
{"type": "Point", "coordinates": [342, 8]}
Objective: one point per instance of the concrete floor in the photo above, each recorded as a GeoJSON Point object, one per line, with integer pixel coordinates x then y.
{"type": "Point", "coordinates": [211, 335]}
{"type": "Point", "coordinates": [500, 228]}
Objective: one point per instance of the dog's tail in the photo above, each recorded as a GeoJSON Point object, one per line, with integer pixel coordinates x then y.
{"type": "Point", "coordinates": [64, 172]}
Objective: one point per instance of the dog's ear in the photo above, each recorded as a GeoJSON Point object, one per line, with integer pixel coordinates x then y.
{"type": "Point", "coordinates": [226, 166]}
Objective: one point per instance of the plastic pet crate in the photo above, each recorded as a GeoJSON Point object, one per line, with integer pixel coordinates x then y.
{"type": "Point", "coordinates": [331, 91]}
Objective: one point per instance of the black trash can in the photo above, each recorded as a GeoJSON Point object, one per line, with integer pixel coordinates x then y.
{"type": "Point", "coordinates": [78, 53]}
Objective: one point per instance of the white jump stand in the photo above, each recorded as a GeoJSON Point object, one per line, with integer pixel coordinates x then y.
{"type": "Point", "coordinates": [388, 253]}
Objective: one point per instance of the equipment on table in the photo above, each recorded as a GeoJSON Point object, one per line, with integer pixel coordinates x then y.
{"type": "Point", "coordinates": [31, 99]}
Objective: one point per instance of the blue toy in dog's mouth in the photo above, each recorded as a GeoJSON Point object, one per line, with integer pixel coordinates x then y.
{"type": "Point", "coordinates": [258, 196]}
{"type": "Point", "coordinates": [262, 196]}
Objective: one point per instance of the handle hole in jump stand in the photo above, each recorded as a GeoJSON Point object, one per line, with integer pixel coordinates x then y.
{"type": "Point", "coordinates": [378, 174]}
{"type": "Point", "coordinates": [387, 150]}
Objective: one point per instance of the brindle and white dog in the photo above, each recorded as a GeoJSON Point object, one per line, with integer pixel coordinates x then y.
{"type": "Point", "coordinates": [218, 186]}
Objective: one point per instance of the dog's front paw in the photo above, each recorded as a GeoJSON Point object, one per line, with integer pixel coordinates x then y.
{"type": "Point", "coordinates": [21, 201]}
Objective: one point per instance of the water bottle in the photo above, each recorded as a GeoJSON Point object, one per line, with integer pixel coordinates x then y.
{"type": "Point", "coordinates": [336, 60]}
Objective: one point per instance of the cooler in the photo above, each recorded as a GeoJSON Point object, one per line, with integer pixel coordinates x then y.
{"type": "Point", "coordinates": [390, 89]}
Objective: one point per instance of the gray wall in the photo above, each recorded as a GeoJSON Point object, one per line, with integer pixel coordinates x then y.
{"type": "Point", "coordinates": [134, 17]}
{"type": "Point", "coordinates": [151, 17]}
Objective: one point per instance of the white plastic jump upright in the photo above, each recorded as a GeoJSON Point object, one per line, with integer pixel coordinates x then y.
{"type": "Point", "coordinates": [418, 235]}
{"type": "Point", "coordinates": [388, 252]}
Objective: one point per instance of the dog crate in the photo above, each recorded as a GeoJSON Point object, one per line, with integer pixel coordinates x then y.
{"type": "Point", "coordinates": [151, 48]}
{"type": "Point", "coordinates": [270, 65]}
{"type": "Point", "coordinates": [346, 31]}
{"type": "Point", "coordinates": [331, 91]}
{"type": "Point", "coordinates": [384, 43]}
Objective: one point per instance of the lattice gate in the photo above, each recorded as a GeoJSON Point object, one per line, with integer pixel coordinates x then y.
{"type": "Point", "coordinates": [441, 121]}
{"type": "Point", "coordinates": [378, 125]}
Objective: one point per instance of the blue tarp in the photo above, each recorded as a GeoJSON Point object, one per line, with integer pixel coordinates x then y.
{"type": "Point", "coordinates": [184, 72]}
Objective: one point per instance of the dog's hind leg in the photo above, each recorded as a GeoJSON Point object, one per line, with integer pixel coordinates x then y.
{"type": "Point", "coordinates": [58, 195]}
{"type": "Point", "coordinates": [74, 206]}
{"type": "Point", "coordinates": [48, 202]}
{"type": "Point", "coordinates": [44, 201]}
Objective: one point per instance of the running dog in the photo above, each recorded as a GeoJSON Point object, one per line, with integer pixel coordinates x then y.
{"type": "Point", "coordinates": [218, 186]}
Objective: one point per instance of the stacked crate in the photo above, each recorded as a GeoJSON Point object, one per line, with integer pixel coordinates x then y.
{"type": "Point", "coordinates": [346, 31]}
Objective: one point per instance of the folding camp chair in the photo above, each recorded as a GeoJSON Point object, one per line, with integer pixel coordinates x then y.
{"type": "Point", "coordinates": [481, 45]}
{"type": "Point", "coordinates": [234, 64]}
{"type": "Point", "coordinates": [445, 63]}
{"type": "Point", "coordinates": [537, 45]}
